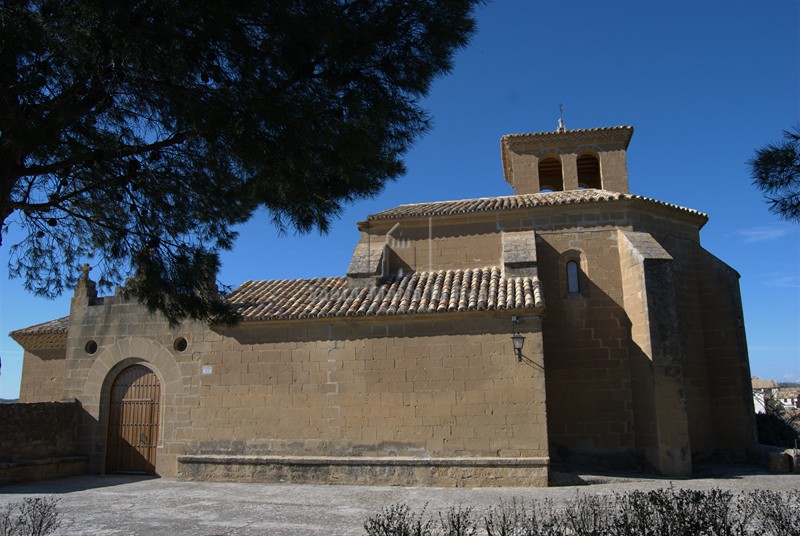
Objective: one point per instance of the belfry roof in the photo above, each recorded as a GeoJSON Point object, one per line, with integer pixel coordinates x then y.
{"type": "Point", "coordinates": [623, 132]}
{"type": "Point", "coordinates": [439, 291]}
{"type": "Point", "coordinates": [513, 202]}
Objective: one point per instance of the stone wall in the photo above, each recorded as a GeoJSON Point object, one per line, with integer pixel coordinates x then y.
{"type": "Point", "coordinates": [439, 386]}
{"type": "Point", "coordinates": [428, 388]}
{"type": "Point", "coordinates": [436, 245]}
{"type": "Point", "coordinates": [42, 376]}
{"type": "Point", "coordinates": [449, 392]}
{"type": "Point", "coordinates": [600, 333]}
{"type": "Point", "coordinates": [332, 396]}
{"type": "Point", "coordinates": [586, 334]}
{"type": "Point", "coordinates": [37, 441]}
{"type": "Point", "coordinates": [602, 399]}
{"type": "Point", "coordinates": [726, 359]}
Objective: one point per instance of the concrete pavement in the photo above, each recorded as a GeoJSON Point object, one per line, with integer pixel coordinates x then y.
{"type": "Point", "coordinates": [120, 505]}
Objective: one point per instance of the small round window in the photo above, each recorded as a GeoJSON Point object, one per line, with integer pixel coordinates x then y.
{"type": "Point", "coordinates": [180, 344]}
{"type": "Point", "coordinates": [91, 347]}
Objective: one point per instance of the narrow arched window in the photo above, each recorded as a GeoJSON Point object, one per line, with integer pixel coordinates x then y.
{"type": "Point", "coordinates": [550, 175]}
{"type": "Point", "coordinates": [573, 277]}
{"type": "Point", "coordinates": [588, 172]}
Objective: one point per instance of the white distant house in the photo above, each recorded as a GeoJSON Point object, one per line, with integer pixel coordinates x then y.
{"type": "Point", "coordinates": [763, 390]}
{"type": "Point", "coordinates": [789, 398]}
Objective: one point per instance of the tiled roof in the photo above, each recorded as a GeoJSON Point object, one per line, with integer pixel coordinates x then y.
{"type": "Point", "coordinates": [52, 334]}
{"type": "Point", "coordinates": [413, 293]}
{"type": "Point", "coordinates": [59, 325]}
{"type": "Point", "coordinates": [625, 129]}
{"type": "Point", "coordinates": [514, 202]}
{"type": "Point", "coordinates": [758, 383]}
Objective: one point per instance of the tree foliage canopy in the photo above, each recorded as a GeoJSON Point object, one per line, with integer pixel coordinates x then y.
{"type": "Point", "coordinates": [138, 133]}
{"type": "Point", "coordinates": [776, 172]}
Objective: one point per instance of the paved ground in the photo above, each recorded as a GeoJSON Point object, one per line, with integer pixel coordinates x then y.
{"type": "Point", "coordinates": [115, 505]}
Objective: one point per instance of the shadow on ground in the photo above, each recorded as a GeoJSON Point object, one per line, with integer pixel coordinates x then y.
{"type": "Point", "coordinates": [71, 484]}
{"type": "Point", "coordinates": [570, 477]}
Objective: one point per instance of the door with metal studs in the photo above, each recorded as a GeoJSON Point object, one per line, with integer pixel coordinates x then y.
{"type": "Point", "coordinates": [133, 422]}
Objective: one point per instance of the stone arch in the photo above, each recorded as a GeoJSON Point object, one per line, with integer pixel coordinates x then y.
{"type": "Point", "coordinates": [551, 174]}
{"type": "Point", "coordinates": [134, 421]}
{"type": "Point", "coordinates": [588, 167]}
{"type": "Point", "coordinates": [573, 259]}
{"type": "Point", "coordinates": [117, 357]}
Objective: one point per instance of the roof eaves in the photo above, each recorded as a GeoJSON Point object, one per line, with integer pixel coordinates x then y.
{"type": "Point", "coordinates": [518, 202]}
{"type": "Point", "coordinates": [572, 131]}
{"type": "Point", "coordinates": [51, 334]}
{"type": "Point", "coordinates": [58, 325]}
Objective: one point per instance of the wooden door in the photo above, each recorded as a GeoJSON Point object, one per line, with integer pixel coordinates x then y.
{"type": "Point", "coordinates": [133, 422]}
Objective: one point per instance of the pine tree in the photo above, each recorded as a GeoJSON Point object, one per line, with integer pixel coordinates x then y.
{"type": "Point", "coordinates": [138, 133]}
{"type": "Point", "coordinates": [776, 172]}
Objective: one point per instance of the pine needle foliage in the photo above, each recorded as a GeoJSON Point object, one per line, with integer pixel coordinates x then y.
{"type": "Point", "coordinates": [138, 134]}
{"type": "Point", "coordinates": [776, 172]}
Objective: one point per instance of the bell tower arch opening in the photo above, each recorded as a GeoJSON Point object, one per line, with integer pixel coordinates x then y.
{"type": "Point", "coordinates": [589, 172]}
{"type": "Point", "coordinates": [551, 176]}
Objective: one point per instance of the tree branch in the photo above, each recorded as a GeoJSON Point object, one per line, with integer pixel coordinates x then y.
{"type": "Point", "coordinates": [103, 154]}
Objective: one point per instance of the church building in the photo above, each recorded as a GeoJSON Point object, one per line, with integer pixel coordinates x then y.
{"type": "Point", "coordinates": [475, 342]}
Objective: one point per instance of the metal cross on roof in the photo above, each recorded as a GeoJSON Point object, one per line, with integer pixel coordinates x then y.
{"type": "Point", "coordinates": [561, 127]}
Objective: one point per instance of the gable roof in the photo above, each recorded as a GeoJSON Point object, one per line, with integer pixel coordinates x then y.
{"type": "Point", "coordinates": [440, 291]}
{"type": "Point", "coordinates": [515, 202]}
{"type": "Point", "coordinates": [51, 334]}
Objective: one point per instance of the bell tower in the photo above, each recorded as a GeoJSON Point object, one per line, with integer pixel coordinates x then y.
{"type": "Point", "coordinates": [567, 160]}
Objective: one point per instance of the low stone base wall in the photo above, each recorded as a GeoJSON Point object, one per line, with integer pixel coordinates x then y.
{"type": "Point", "coordinates": [42, 469]}
{"type": "Point", "coordinates": [378, 471]}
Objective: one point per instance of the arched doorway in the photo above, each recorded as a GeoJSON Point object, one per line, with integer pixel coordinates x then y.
{"type": "Point", "coordinates": [133, 422]}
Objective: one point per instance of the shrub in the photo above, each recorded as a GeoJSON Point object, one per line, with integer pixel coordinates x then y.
{"type": "Point", "coordinates": [635, 515]}
{"type": "Point", "coordinates": [33, 516]}
{"type": "Point", "coordinates": [515, 519]}
{"type": "Point", "coordinates": [397, 520]}
{"type": "Point", "coordinates": [662, 512]}
{"type": "Point", "coordinates": [458, 522]}
{"type": "Point", "coordinates": [668, 512]}
{"type": "Point", "coordinates": [779, 515]}
{"type": "Point", "coordinates": [589, 515]}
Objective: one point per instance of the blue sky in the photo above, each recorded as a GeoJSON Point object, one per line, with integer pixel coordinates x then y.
{"type": "Point", "coordinates": [704, 83]}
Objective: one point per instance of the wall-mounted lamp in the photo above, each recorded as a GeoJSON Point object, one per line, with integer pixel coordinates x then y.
{"type": "Point", "coordinates": [516, 339]}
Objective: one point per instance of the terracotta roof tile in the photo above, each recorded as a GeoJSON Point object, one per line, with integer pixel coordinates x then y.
{"type": "Point", "coordinates": [513, 202]}
{"type": "Point", "coordinates": [59, 325]}
{"type": "Point", "coordinates": [52, 334]}
{"type": "Point", "coordinates": [624, 129]}
{"type": "Point", "coordinates": [758, 383]}
{"type": "Point", "coordinates": [413, 293]}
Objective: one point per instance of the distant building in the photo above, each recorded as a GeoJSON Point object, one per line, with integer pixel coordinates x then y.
{"type": "Point", "coordinates": [789, 398]}
{"type": "Point", "coordinates": [404, 370]}
{"type": "Point", "coordinates": [763, 390]}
